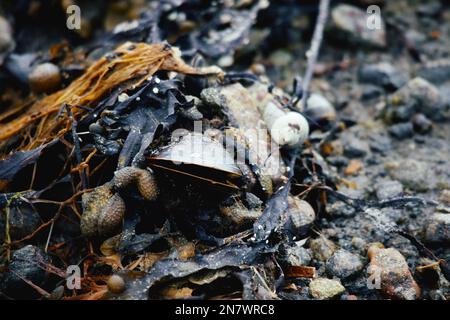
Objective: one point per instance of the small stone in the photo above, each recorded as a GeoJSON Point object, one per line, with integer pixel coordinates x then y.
{"type": "Point", "coordinates": [445, 196]}
{"type": "Point", "coordinates": [322, 248]}
{"type": "Point", "coordinates": [323, 288]}
{"type": "Point", "coordinates": [437, 228]}
{"type": "Point", "coordinates": [371, 92]}
{"type": "Point", "coordinates": [421, 123]}
{"type": "Point", "coordinates": [380, 143]}
{"type": "Point", "coordinates": [295, 255]}
{"type": "Point", "coordinates": [349, 24]}
{"type": "Point", "coordinates": [437, 71]}
{"type": "Point", "coordinates": [359, 244]}
{"type": "Point", "coordinates": [413, 174]}
{"type": "Point", "coordinates": [388, 189]}
{"type": "Point", "coordinates": [45, 77]}
{"type": "Point", "coordinates": [401, 131]}
{"type": "Point", "coordinates": [319, 108]}
{"type": "Point", "coordinates": [280, 58]}
{"type": "Point", "coordinates": [23, 220]}
{"type": "Point", "coordinates": [389, 267]}
{"type": "Point", "coordinates": [344, 264]}
{"type": "Point", "coordinates": [354, 147]}
{"type": "Point", "coordinates": [340, 209]}
{"type": "Point", "coordinates": [420, 94]}
{"type": "Point", "coordinates": [382, 74]}
{"type": "Point", "coordinates": [337, 161]}
{"type": "Point", "coordinates": [26, 263]}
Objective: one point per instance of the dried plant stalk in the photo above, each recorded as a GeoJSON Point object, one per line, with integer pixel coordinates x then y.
{"type": "Point", "coordinates": [129, 65]}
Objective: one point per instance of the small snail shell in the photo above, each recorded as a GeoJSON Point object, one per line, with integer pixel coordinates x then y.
{"type": "Point", "coordinates": [111, 216]}
{"type": "Point", "coordinates": [45, 77]}
{"type": "Point", "coordinates": [238, 214]}
{"type": "Point", "coordinates": [143, 179]}
{"type": "Point", "coordinates": [93, 203]}
{"type": "Point", "coordinates": [290, 130]}
{"type": "Point", "coordinates": [300, 215]}
{"type": "Point", "coordinates": [116, 284]}
{"type": "Point", "coordinates": [287, 129]}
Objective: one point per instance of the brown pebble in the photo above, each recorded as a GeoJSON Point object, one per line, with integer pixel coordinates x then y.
{"type": "Point", "coordinates": [45, 78]}
{"type": "Point", "coordinates": [116, 284]}
{"type": "Point", "coordinates": [389, 268]}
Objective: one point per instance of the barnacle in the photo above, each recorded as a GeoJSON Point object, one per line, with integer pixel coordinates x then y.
{"type": "Point", "coordinates": [143, 179]}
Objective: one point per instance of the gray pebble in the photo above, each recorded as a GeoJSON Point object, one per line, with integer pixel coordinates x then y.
{"type": "Point", "coordinates": [344, 264]}
{"type": "Point", "coordinates": [388, 189]}
{"type": "Point", "coordinates": [437, 228]}
{"type": "Point", "coordinates": [382, 74]}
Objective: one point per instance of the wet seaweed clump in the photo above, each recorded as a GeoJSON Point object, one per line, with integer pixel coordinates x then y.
{"type": "Point", "coordinates": [154, 150]}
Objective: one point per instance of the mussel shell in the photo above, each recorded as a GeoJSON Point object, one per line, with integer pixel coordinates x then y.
{"type": "Point", "coordinates": [200, 157]}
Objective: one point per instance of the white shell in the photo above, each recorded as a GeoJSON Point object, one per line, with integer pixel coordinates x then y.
{"type": "Point", "coordinates": [291, 129]}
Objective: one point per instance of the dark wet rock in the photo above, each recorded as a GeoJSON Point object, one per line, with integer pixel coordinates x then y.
{"type": "Point", "coordinates": [401, 130]}
{"type": "Point", "coordinates": [338, 161]}
{"type": "Point", "coordinates": [355, 147]}
{"type": "Point", "coordinates": [349, 24]}
{"type": "Point", "coordinates": [437, 228]}
{"type": "Point", "coordinates": [371, 92]}
{"type": "Point", "coordinates": [23, 220]}
{"type": "Point", "coordinates": [430, 9]}
{"type": "Point", "coordinates": [419, 94]}
{"type": "Point", "coordinates": [28, 263]}
{"type": "Point", "coordinates": [380, 143]}
{"type": "Point", "coordinates": [392, 269]}
{"type": "Point", "coordinates": [388, 189]}
{"type": "Point", "coordinates": [382, 74]}
{"type": "Point", "coordinates": [322, 248]}
{"type": "Point", "coordinates": [421, 123]}
{"type": "Point", "coordinates": [340, 209]}
{"type": "Point", "coordinates": [344, 264]}
{"type": "Point", "coordinates": [413, 174]}
{"type": "Point", "coordinates": [401, 113]}
{"type": "Point", "coordinates": [437, 71]}
{"type": "Point", "coordinates": [295, 255]}
{"type": "Point", "coordinates": [323, 288]}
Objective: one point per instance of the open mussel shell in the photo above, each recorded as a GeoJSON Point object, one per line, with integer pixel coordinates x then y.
{"type": "Point", "coordinates": [199, 157]}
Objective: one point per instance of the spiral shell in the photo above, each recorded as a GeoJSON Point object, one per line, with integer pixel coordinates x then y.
{"type": "Point", "coordinates": [143, 179]}
{"type": "Point", "coordinates": [237, 213]}
{"type": "Point", "coordinates": [93, 203]}
{"type": "Point", "coordinates": [111, 216]}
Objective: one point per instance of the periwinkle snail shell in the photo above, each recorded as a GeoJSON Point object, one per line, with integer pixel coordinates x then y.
{"type": "Point", "coordinates": [143, 179]}
{"type": "Point", "coordinates": [103, 212]}
{"type": "Point", "coordinates": [111, 216]}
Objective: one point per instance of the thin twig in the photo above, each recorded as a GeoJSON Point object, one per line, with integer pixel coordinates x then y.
{"type": "Point", "coordinates": [313, 52]}
{"type": "Point", "coordinates": [77, 146]}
